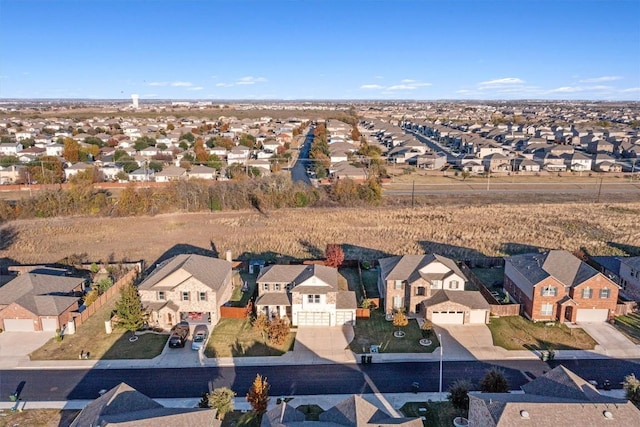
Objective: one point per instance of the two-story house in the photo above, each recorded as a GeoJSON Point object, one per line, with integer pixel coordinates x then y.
{"type": "Point", "coordinates": [430, 286]}
{"type": "Point", "coordinates": [308, 295]}
{"type": "Point", "coordinates": [187, 287]}
{"type": "Point", "coordinates": [555, 285]}
{"type": "Point", "coordinates": [630, 276]}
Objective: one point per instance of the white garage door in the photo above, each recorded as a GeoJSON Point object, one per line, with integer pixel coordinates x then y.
{"type": "Point", "coordinates": [49, 324]}
{"type": "Point", "coordinates": [313, 318]}
{"type": "Point", "coordinates": [592, 315]}
{"type": "Point", "coordinates": [448, 318]}
{"type": "Point", "coordinates": [18, 325]}
{"type": "Point", "coordinates": [344, 318]}
{"type": "Point", "coordinates": [478, 316]}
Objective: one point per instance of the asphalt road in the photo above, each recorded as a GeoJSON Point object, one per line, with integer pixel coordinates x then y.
{"type": "Point", "coordinates": [298, 171]}
{"type": "Point", "coordinates": [60, 385]}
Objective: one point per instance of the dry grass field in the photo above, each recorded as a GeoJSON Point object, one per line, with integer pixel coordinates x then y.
{"type": "Point", "coordinates": [455, 230]}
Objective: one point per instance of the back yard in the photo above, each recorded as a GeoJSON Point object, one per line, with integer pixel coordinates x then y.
{"type": "Point", "coordinates": [518, 333]}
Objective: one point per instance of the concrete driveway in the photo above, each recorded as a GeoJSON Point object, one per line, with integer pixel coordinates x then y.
{"type": "Point", "coordinates": [466, 342]}
{"type": "Point", "coordinates": [324, 342]}
{"type": "Point", "coordinates": [610, 341]}
{"type": "Point", "coordinates": [16, 346]}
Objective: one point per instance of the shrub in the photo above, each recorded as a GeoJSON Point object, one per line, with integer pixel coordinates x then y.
{"type": "Point", "coordinates": [631, 387]}
{"type": "Point", "coordinates": [494, 381]}
{"type": "Point", "coordinates": [458, 394]}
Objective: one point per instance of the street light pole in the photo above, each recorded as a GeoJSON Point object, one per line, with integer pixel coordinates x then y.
{"type": "Point", "coordinates": [441, 349]}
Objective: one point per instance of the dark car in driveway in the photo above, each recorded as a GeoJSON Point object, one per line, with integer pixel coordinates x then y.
{"type": "Point", "coordinates": [179, 335]}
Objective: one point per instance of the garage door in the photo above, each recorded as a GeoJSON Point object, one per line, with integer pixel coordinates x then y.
{"type": "Point", "coordinates": [313, 318]}
{"type": "Point", "coordinates": [344, 318]}
{"type": "Point", "coordinates": [478, 316]}
{"type": "Point", "coordinates": [18, 325]}
{"type": "Point", "coordinates": [448, 318]}
{"type": "Point", "coordinates": [592, 315]}
{"type": "Point", "coordinates": [49, 324]}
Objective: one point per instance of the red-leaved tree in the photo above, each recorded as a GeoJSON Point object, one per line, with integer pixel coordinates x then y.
{"type": "Point", "coordinates": [334, 256]}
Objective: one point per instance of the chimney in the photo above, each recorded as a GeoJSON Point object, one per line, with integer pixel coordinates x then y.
{"type": "Point", "coordinates": [228, 256]}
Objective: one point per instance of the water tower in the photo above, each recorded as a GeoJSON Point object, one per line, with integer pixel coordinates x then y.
{"type": "Point", "coordinates": [134, 99]}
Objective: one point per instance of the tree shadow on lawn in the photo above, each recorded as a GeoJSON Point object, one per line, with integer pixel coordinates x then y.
{"type": "Point", "coordinates": [452, 251]}
{"type": "Point", "coordinates": [355, 252]}
{"type": "Point", "coordinates": [184, 248]}
{"type": "Point", "coordinates": [269, 257]}
{"type": "Point", "coordinates": [145, 346]}
{"type": "Point", "coordinates": [510, 248]}
{"type": "Point", "coordinates": [314, 251]}
{"type": "Point", "coordinates": [8, 236]}
{"type": "Point", "coordinates": [630, 250]}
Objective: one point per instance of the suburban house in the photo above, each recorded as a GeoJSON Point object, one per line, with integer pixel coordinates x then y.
{"type": "Point", "coordinates": [187, 287]}
{"type": "Point", "coordinates": [354, 411]}
{"type": "Point", "coordinates": [559, 397]}
{"type": "Point", "coordinates": [555, 285]}
{"type": "Point", "coordinates": [625, 271]}
{"type": "Point", "coordinates": [308, 295]}
{"type": "Point", "coordinates": [171, 173]}
{"type": "Point", "coordinates": [123, 405]}
{"type": "Point", "coordinates": [40, 300]}
{"type": "Point", "coordinates": [424, 285]}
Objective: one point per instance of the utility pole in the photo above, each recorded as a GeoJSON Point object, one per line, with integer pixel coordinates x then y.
{"type": "Point", "coordinates": [599, 191]}
{"type": "Point", "coordinates": [441, 350]}
{"type": "Point", "coordinates": [413, 192]}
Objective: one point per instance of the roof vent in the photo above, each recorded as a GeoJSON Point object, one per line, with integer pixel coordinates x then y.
{"type": "Point", "coordinates": [608, 415]}
{"type": "Point", "coordinates": [524, 414]}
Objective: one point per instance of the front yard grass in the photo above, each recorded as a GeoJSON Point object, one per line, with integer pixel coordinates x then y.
{"type": "Point", "coordinates": [238, 338]}
{"type": "Point", "coordinates": [629, 325]}
{"type": "Point", "coordinates": [91, 337]}
{"type": "Point", "coordinates": [437, 414]}
{"type": "Point", "coordinates": [377, 330]}
{"type": "Point", "coordinates": [241, 419]}
{"type": "Point", "coordinates": [518, 333]}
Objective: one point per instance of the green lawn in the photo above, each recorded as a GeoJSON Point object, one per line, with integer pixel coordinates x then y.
{"type": "Point", "coordinates": [369, 282]}
{"type": "Point", "coordinates": [353, 281]}
{"type": "Point", "coordinates": [437, 414]}
{"type": "Point", "coordinates": [491, 277]}
{"type": "Point", "coordinates": [91, 337]}
{"type": "Point", "coordinates": [629, 325]}
{"type": "Point", "coordinates": [239, 298]}
{"type": "Point", "coordinates": [238, 338]}
{"type": "Point", "coordinates": [377, 330]}
{"type": "Point", "coordinates": [518, 333]}
{"type": "Point", "coordinates": [241, 419]}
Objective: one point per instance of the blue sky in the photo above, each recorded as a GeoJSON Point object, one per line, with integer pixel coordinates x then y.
{"type": "Point", "coordinates": [321, 49]}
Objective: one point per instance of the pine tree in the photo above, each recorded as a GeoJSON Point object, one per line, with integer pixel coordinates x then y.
{"type": "Point", "coordinates": [221, 399]}
{"type": "Point", "coordinates": [458, 394]}
{"type": "Point", "coordinates": [494, 381]}
{"type": "Point", "coordinates": [131, 314]}
{"type": "Point", "coordinates": [258, 395]}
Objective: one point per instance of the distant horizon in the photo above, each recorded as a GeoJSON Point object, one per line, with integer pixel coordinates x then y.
{"type": "Point", "coordinates": [339, 50]}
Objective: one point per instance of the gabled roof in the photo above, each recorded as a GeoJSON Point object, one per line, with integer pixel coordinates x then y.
{"type": "Point", "coordinates": [471, 299]}
{"type": "Point", "coordinates": [125, 406]}
{"type": "Point", "coordinates": [355, 411]}
{"type": "Point", "coordinates": [41, 294]}
{"type": "Point", "coordinates": [564, 384]}
{"type": "Point", "coordinates": [406, 267]}
{"type": "Point", "coordinates": [326, 277]}
{"type": "Point", "coordinates": [211, 272]}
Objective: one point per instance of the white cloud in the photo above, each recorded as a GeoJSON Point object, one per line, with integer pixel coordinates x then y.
{"type": "Point", "coordinates": [224, 84]}
{"type": "Point", "coordinates": [407, 81]}
{"type": "Point", "coordinates": [405, 84]}
{"type": "Point", "coordinates": [631, 90]}
{"type": "Point", "coordinates": [371, 87]}
{"type": "Point", "coordinates": [601, 79]}
{"type": "Point", "coordinates": [502, 82]}
{"type": "Point", "coordinates": [158, 83]}
{"type": "Point", "coordinates": [195, 88]}
{"type": "Point", "coordinates": [250, 80]}
{"type": "Point", "coordinates": [181, 84]}
{"type": "Point", "coordinates": [401, 87]}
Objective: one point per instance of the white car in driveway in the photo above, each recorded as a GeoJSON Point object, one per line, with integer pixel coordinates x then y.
{"type": "Point", "coordinates": [200, 335]}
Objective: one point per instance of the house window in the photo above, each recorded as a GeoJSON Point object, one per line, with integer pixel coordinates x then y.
{"type": "Point", "coordinates": [605, 293]}
{"type": "Point", "coordinates": [549, 291]}
{"type": "Point", "coordinates": [546, 310]}
{"type": "Point", "coordinates": [587, 293]}
{"type": "Point", "coordinates": [161, 296]}
{"type": "Point", "coordinates": [276, 287]}
{"type": "Point", "coordinates": [454, 284]}
{"type": "Point", "coordinates": [202, 296]}
{"type": "Point", "coordinates": [398, 284]}
{"type": "Point", "coordinates": [313, 299]}
{"type": "Point", "coordinates": [420, 290]}
{"type": "Point", "coordinates": [185, 296]}
{"type": "Point", "coordinates": [265, 286]}
{"type": "Point", "coordinates": [397, 302]}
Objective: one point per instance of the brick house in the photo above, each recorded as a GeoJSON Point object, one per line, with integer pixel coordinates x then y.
{"type": "Point", "coordinates": [408, 280]}
{"type": "Point", "coordinates": [187, 287]}
{"type": "Point", "coordinates": [555, 285]}
{"type": "Point", "coordinates": [308, 295]}
{"type": "Point", "coordinates": [40, 300]}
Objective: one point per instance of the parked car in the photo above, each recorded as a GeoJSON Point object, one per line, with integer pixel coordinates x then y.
{"type": "Point", "coordinates": [179, 335]}
{"type": "Point", "coordinates": [200, 335]}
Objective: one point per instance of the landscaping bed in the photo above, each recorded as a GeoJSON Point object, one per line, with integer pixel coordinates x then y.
{"type": "Point", "coordinates": [238, 338]}
{"type": "Point", "coordinates": [376, 330]}
{"type": "Point", "coordinates": [436, 414]}
{"type": "Point", "coordinates": [629, 325]}
{"type": "Point", "coordinates": [518, 333]}
{"type": "Point", "coordinates": [91, 337]}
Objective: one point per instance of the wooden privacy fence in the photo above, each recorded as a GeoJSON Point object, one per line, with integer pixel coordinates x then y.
{"type": "Point", "coordinates": [497, 309]}
{"type": "Point", "coordinates": [80, 318]}
{"type": "Point", "coordinates": [233, 312]}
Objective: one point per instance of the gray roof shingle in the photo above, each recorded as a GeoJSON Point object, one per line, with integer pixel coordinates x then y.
{"type": "Point", "coordinates": [211, 272]}
{"type": "Point", "coordinates": [41, 294]}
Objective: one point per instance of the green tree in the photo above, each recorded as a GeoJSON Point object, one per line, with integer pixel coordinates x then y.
{"type": "Point", "coordinates": [247, 140]}
{"type": "Point", "coordinates": [9, 161]}
{"type": "Point", "coordinates": [215, 162]}
{"type": "Point", "coordinates": [258, 395]}
{"type": "Point", "coordinates": [188, 136]}
{"type": "Point", "coordinates": [131, 314]}
{"type": "Point", "coordinates": [221, 399]}
{"type": "Point", "coordinates": [494, 381]}
{"type": "Point", "coordinates": [631, 386]}
{"type": "Point", "coordinates": [458, 394]}
{"type": "Point", "coordinates": [103, 285]}
{"type": "Point", "coordinates": [155, 166]}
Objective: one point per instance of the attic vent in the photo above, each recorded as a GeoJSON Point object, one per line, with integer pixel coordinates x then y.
{"type": "Point", "coordinates": [608, 415]}
{"type": "Point", "coordinates": [524, 414]}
